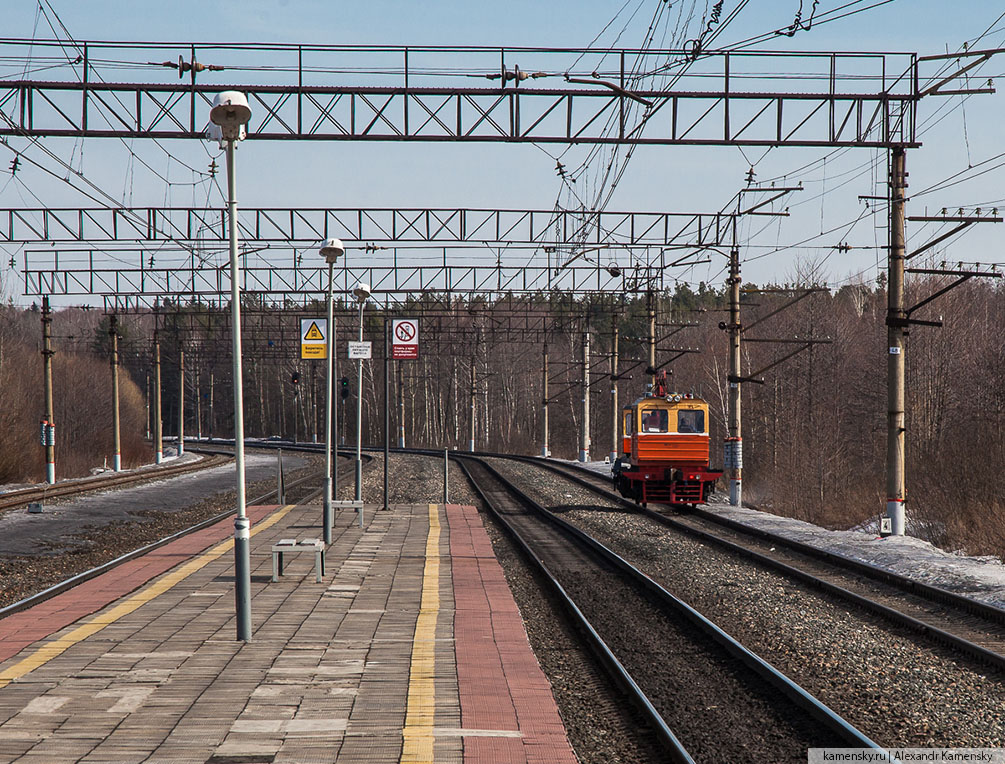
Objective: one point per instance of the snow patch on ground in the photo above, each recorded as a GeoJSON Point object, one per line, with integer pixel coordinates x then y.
{"type": "Point", "coordinates": [982, 578]}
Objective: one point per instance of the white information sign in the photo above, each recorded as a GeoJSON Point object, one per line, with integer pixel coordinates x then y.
{"type": "Point", "coordinates": [359, 350]}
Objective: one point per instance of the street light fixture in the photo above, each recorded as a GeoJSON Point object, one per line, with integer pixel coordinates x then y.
{"type": "Point", "coordinates": [361, 292]}
{"type": "Point", "coordinates": [229, 115]}
{"type": "Point", "coordinates": [331, 251]}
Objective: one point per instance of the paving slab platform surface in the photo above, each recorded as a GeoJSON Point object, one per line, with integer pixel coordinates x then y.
{"type": "Point", "coordinates": [411, 649]}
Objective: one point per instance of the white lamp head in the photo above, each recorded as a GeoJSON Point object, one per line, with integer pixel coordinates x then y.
{"type": "Point", "coordinates": [229, 115]}
{"type": "Point", "coordinates": [332, 250]}
{"type": "Point", "coordinates": [361, 291]}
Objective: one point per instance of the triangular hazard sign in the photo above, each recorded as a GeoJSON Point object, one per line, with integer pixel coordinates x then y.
{"type": "Point", "coordinates": [314, 333]}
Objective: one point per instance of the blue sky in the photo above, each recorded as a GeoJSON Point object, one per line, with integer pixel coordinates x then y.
{"type": "Point", "coordinates": [658, 178]}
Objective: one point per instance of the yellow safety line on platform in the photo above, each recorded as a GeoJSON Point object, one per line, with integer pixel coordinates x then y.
{"type": "Point", "coordinates": [50, 650]}
{"type": "Point", "coordinates": [418, 731]}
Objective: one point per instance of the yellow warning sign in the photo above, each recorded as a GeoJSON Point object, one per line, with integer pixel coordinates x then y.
{"type": "Point", "coordinates": [313, 351]}
{"type": "Point", "coordinates": [314, 333]}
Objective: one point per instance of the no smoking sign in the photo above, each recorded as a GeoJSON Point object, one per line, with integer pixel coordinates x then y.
{"type": "Point", "coordinates": [404, 338]}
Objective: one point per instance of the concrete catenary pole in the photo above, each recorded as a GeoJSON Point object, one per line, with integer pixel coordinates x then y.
{"type": "Point", "coordinates": [198, 402]}
{"type": "Point", "coordinates": [212, 418]}
{"type": "Point", "coordinates": [158, 425]}
{"type": "Point", "coordinates": [48, 429]}
{"type": "Point", "coordinates": [584, 436]}
{"type": "Point", "coordinates": [181, 399]}
{"type": "Point", "coordinates": [471, 434]}
{"type": "Point", "coordinates": [734, 443]}
{"type": "Point", "coordinates": [895, 365]}
{"type": "Point", "coordinates": [387, 401]}
{"type": "Point", "coordinates": [615, 410]}
{"type": "Point", "coordinates": [544, 404]}
{"type": "Point", "coordinates": [651, 339]}
{"type": "Point", "coordinates": [113, 335]}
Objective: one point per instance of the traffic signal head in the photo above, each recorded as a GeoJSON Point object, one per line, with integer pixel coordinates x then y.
{"type": "Point", "coordinates": [295, 377]}
{"type": "Point", "coordinates": [345, 387]}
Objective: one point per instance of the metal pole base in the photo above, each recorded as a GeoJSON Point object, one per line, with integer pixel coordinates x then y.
{"type": "Point", "coordinates": [50, 473]}
{"type": "Point", "coordinates": [614, 456]}
{"type": "Point", "coordinates": [326, 517]}
{"type": "Point", "coordinates": [544, 451]}
{"type": "Point", "coordinates": [242, 577]}
{"type": "Point", "coordinates": [159, 458]}
{"type": "Point", "coordinates": [117, 462]}
{"type": "Point", "coordinates": [584, 456]}
{"type": "Point", "coordinates": [471, 446]}
{"type": "Point", "coordinates": [359, 479]}
{"type": "Point", "coordinates": [735, 493]}
{"type": "Point", "coordinates": [898, 517]}
{"type": "Point", "coordinates": [181, 448]}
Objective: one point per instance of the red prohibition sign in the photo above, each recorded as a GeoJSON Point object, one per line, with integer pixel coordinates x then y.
{"type": "Point", "coordinates": [404, 331]}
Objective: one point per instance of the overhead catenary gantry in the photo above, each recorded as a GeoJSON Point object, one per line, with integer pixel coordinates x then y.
{"type": "Point", "coordinates": [465, 93]}
{"type": "Point", "coordinates": [566, 96]}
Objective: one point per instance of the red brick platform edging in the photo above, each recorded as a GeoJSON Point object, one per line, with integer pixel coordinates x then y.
{"type": "Point", "coordinates": [500, 683]}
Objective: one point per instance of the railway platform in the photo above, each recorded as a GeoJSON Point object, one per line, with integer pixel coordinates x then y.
{"type": "Point", "coordinates": [410, 649]}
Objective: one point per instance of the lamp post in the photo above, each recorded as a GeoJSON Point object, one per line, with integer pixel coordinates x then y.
{"type": "Point", "coordinates": [331, 251]}
{"type": "Point", "coordinates": [229, 115]}
{"type": "Point", "coordinates": [361, 293]}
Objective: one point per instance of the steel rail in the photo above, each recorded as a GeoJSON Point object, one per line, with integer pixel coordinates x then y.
{"type": "Point", "coordinates": [23, 496]}
{"type": "Point", "coordinates": [910, 585]}
{"type": "Point", "coordinates": [915, 625]}
{"type": "Point", "coordinates": [800, 697]}
{"type": "Point", "coordinates": [618, 672]}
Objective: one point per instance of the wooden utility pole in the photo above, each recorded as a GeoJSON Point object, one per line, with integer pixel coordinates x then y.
{"type": "Point", "coordinates": [895, 365]}
{"type": "Point", "coordinates": [48, 426]}
{"type": "Point", "coordinates": [113, 334]}
{"type": "Point", "coordinates": [544, 403]}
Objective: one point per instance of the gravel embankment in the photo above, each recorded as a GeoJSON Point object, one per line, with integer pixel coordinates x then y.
{"type": "Point", "coordinates": [900, 692]}
{"type": "Point", "coordinates": [26, 574]}
{"type": "Point", "coordinates": [601, 724]}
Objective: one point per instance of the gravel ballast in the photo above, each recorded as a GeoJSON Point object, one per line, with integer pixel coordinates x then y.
{"type": "Point", "coordinates": [899, 691]}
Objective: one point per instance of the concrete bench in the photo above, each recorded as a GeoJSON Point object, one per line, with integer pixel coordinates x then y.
{"type": "Point", "coordinates": [286, 546]}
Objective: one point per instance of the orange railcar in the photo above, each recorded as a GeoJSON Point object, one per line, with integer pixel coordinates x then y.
{"type": "Point", "coordinates": [666, 446]}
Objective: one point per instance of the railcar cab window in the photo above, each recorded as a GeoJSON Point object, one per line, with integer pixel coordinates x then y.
{"type": "Point", "coordinates": [628, 423]}
{"type": "Point", "coordinates": [691, 421]}
{"type": "Point", "coordinates": [655, 420]}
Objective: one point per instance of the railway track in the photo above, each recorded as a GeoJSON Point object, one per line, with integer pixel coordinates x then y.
{"type": "Point", "coordinates": [302, 490]}
{"type": "Point", "coordinates": [705, 694]}
{"type": "Point", "coordinates": [24, 496]}
{"type": "Point", "coordinates": [946, 618]}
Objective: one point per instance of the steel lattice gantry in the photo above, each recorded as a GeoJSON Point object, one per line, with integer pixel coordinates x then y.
{"type": "Point", "coordinates": [179, 251]}
{"type": "Point", "coordinates": [611, 96]}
